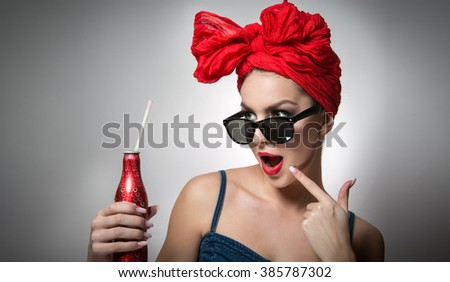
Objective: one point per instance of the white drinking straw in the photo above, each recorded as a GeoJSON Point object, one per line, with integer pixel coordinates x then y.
{"type": "Point", "coordinates": [144, 122]}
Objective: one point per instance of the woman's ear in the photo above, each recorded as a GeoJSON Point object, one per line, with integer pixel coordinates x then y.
{"type": "Point", "coordinates": [327, 124]}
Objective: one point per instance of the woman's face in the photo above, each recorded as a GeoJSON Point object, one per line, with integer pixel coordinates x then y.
{"type": "Point", "coordinates": [267, 94]}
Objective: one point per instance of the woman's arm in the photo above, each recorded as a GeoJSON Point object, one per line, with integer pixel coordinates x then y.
{"type": "Point", "coordinates": [368, 242]}
{"type": "Point", "coordinates": [190, 219]}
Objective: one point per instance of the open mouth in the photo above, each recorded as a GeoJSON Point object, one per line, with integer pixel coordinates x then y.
{"type": "Point", "coordinates": [271, 161]}
{"type": "Point", "coordinates": [271, 164]}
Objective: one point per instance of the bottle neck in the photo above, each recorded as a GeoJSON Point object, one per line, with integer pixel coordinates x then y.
{"type": "Point", "coordinates": [131, 162]}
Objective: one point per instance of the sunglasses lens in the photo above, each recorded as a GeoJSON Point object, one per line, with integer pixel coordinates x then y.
{"type": "Point", "coordinates": [241, 131]}
{"type": "Point", "coordinates": [277, 130]}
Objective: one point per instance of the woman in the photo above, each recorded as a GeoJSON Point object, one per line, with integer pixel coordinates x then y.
{"type": "Point", "coordinates": [277, 210]}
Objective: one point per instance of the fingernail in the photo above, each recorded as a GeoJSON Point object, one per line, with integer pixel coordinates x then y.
{"type": "Point", "coordinates": [148, 224]}
{"type": "Point", "coordinates": [292, 169]}
{"type": "Point", "coordinates": [141, 210]}
{"type": "Point", "coordinates": [147, 235]}
{"type": "Point", "coordinates": [155, 207]}
{"type": "Point", "coordinates": [353, 182]}
{"type": "Point", "coordinates": [142, 243]}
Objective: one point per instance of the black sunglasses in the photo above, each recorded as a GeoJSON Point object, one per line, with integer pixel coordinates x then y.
{"type": "Point", "coordinates": [277, 130]}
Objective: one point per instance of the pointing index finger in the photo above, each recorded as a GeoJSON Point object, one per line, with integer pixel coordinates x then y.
{"type": "Point", "coordinates": [310, 185]}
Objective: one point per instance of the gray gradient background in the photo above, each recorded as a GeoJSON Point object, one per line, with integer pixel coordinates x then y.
{"type": "Point", "coordinates": [68, 67]}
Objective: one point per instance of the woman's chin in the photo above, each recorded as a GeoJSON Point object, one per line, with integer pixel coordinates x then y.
{"type": "Point", "coordinates": [281, 179]}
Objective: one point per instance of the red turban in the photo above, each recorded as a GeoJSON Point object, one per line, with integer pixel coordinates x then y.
{"type": "Point", "coordinates": [292, 43]}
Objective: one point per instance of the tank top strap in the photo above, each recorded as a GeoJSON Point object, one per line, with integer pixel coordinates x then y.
{"type": "Point", "coordinates": [223, 185]}
{"type": "Point", "coordinates": [351, 223]}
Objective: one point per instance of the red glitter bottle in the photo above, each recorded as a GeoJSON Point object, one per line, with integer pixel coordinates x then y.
{"type": "Point", "coordinates": [131, 189]}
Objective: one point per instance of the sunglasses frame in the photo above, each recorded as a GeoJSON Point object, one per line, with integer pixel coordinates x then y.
{"type": "Point", "coordinates": [315, 109]}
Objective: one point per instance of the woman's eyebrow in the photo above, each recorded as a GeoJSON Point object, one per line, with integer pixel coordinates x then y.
{"type": "Point", "coordinates": [271, 107]}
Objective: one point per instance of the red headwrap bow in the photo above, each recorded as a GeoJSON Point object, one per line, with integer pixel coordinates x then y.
{"type": "Point", "coordinates": [292, 43]}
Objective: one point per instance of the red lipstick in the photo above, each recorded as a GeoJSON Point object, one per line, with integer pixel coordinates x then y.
{"type": "Point", "coordinates": [271, 164]}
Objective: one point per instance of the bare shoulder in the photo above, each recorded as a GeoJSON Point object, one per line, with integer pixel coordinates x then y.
{"type": "Point", "coordinates": [202, 191]}
{"type": "Point", "coordinates": [191, 218]}
{"type": "Point", "coordinates": [368, 242]}
{"type": "Point", "coordinates": [201, 187]}
{"type": "Point", "coordinates": [199, 195]}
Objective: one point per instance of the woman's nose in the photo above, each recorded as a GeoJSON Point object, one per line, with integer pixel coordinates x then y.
{"type": "Point", "coordinates": [259, 139]}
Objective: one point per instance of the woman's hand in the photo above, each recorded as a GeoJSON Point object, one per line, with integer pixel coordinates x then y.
{"type": "Point", "coordinates": [326, 221]}
{"type": "Point", "coordinates": [120, 227]}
